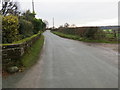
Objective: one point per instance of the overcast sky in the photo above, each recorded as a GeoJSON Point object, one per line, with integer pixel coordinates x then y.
{"type": "Point", "coordinates": [78, 12]}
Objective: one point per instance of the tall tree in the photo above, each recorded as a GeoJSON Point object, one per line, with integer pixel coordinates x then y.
{"type": "Point", "coordinates": [28, 15]}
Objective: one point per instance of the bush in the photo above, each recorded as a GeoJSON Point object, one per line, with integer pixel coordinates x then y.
{"type": "Point", "coordinates": [100, 35]}
{"type": "Point", "coordinates": [37, 25]}
{"type": "Point", "coordinates": [43, 26]}
{"type": "Point", "coordinates": [90, 32]}
{"type": "Point", "coordinates": [10, 29]}
{"type": "Point", "coordinates": [26, 28]}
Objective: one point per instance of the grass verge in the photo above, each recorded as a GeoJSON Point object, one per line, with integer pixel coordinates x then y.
{"type": "Point", "coordinates": [74, 37]}
{"type": "Point", "coordinates": [30, 58]}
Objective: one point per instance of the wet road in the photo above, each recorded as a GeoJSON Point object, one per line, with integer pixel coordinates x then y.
{"type": "Point", "coordinates": [68, 63]}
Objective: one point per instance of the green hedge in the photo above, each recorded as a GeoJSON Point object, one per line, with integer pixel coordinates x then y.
{"type": "Point", "coordinates": [10, 29]}
{"type": "Point", "coordinates": [76, 37]}
{"type": "Point", "coordinates": [25, 28]}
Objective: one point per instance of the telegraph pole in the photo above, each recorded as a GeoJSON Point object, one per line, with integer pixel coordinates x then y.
{"type": "Point", "coordinates": [53, 22]}
{"type": "Point", "coordinates": [33, 6]}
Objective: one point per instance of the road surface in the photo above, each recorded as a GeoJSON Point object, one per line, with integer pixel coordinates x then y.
{"type": "Point", "coordinates": [66, 63]}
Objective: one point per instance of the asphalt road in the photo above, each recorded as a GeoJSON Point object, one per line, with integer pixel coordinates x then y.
{"type": "Point", "coordinates": [66, 63]}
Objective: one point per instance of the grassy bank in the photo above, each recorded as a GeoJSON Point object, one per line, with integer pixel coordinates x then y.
{"type": "Point", "coordinates": [74, 37]}
{"type": "Point", "coordinates": [33, 53]}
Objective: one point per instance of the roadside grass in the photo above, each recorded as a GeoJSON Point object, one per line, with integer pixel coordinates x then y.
{"type": "Point", "coordinates": [100, 41]}
{"type": "Point", "coordinates": [67, 35]}
{"type": "Point", "coordinates": [74, 37]}
{"type": "Point", "coordinates": [32, 55]}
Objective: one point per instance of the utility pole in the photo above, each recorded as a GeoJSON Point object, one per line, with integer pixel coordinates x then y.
{"type": "Point", "coordinates": [53, 22]}
{"type": "Point", "coordinates": [33, 6]}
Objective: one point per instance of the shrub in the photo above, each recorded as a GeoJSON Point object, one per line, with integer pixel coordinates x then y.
{"type": "Point", "coordinates": [26, 28]}
{"type": "Point", "coordinates": [100, 35]}
{"type": "Point", "coordinates": [90, 32]}
{"type": "Point", "coordinates": [37, 25]}
{"type": "Point", "coordinates": [10, 29]}
{"type": "Point", "coordinates": [44, 26]}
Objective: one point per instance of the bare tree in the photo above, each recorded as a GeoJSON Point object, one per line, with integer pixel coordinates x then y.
{"type": "Point", "coordinates": [9, 8]}
{"type": "Point", "coordinates": [66, 25]}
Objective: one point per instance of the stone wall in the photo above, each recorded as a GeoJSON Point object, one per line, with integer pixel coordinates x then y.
{"type": "Point", "coordinates": [13, 52]}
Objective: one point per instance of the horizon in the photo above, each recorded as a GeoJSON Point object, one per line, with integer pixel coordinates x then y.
{"type": "Point", "coordinates": [80, 13]}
